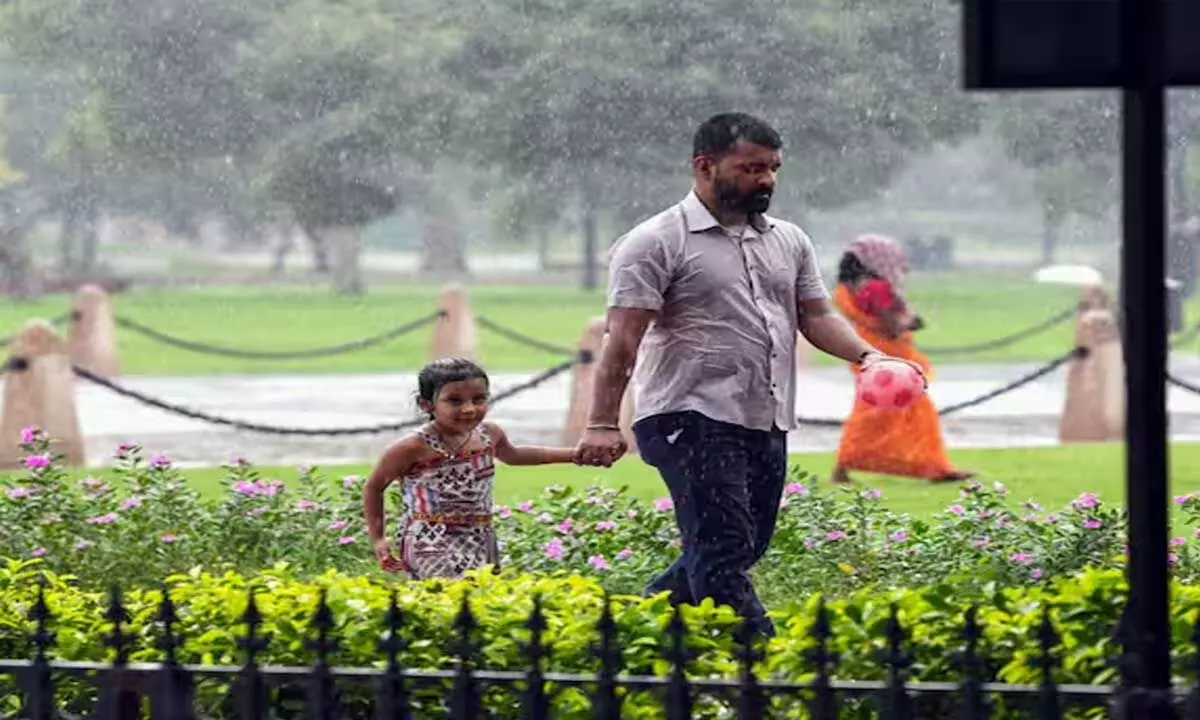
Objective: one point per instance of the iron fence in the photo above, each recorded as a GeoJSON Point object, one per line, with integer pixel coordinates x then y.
{"type": "Point", "coordinates": [465, 688]}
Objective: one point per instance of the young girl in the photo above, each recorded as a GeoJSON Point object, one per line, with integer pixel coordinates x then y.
{"type": "Point", "coordinates": [446, 470]}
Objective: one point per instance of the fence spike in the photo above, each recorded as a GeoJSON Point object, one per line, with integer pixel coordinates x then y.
{"type": "Point", "coordinates": [537, 702]}
{"type": "Point", "coordinates": [1047, 661]}
{"type": "Point", "coordinates": [824, 702]}
{"type": "Point", "coordinates": [116, 701]}
{"type": "Point", "coordinates": [39, 682]}
{"type": "Point", "coordinates": [896, 703]}
{"type": "Point", "coordinates": [606, 705]}
{"type": "Point", "coordinates": [751, 701]}
{"type": "Point", "coordinates": [393, 700]}
{"type": "Point", "coordinates": [464, 701]}
{"type": "Point", "coordinates": [173, 697]}
{"type": "Point", "coordinates": [975, 701]}
{"type": "Point", "coordinates": [251, 690]}
{"type": "Point", "coordinates": [321, 689]}
{"type": "Point", "coordinates": [679, 692]}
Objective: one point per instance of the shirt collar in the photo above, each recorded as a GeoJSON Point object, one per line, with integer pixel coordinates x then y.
{"type": "Point", "coordinates": [699, 219]}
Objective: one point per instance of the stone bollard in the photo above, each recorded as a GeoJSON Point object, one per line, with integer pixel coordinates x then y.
{"type": "Point", "coordinates": [1094, 407]}
{"type": "Point", "coordinates": [92, 338]}
{"type": "Point", "coordinates": [39, 391]}
{"type": "Point", "coordinates": [583, 377]}
{"type": "Point", "coordinates": [454, 332]}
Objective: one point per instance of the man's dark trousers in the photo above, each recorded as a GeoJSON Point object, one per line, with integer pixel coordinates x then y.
{"type": "Point", "coordinates": [726, 482]}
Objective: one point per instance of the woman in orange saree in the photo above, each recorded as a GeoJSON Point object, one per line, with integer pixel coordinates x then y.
{"type": "Point", "coordinates": [904, 442]}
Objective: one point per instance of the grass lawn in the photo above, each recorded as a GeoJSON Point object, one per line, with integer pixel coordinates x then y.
{"type": "Point", "coordinates": [1052, 476]}
{"type": "Point", "coordinates": [959, 310]}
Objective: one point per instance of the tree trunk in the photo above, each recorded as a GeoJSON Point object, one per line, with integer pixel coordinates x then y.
{"type": "Point", "coordinates": [89, 246]}
{"type": "Point", "coordinates": [319, 248]}
{"type": "Point", "coordinates": [345, 246]}
{"type": "Point", "coordinates": [591, 270]}
{"type": "Point", "coordinates": [67, 261]}
{"type": "Point", "coordinates": [543, 246]}
{"type": "Point", "coordinates": [1052, 220]}
{"type": "Point", "coordinates": [443, 251]}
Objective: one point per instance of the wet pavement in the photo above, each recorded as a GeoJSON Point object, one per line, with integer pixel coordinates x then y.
{"type": "Point", "coordinates": [1027, 416]}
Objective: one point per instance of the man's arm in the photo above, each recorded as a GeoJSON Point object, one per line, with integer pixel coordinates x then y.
{"type": "Point", "coordinates": [831, 333]}
{"type": "Point", "coordinates": [626, 327]}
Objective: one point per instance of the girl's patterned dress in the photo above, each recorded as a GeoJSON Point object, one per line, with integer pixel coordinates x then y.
{"type": "Point", "coordinates": [447, 524]}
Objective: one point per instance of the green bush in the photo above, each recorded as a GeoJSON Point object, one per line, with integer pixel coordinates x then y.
{"type": "Point", "coordinates": [1084, 610]}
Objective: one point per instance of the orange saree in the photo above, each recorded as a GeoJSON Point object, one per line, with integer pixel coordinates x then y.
{"type": "Point", "coordinates": [892, 442]}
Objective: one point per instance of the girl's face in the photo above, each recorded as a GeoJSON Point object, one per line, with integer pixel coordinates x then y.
{"type": "Point", "coordinates": [460, 406]}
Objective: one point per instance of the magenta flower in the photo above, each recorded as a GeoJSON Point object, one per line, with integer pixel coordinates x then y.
{"type": "Point", "coordinates": [107, 519]}
{"type": "Point", "coordinates": [125, 448]}
{"type": "Point", "coordinates": [795, 488]}
{"type": "Point", "coordinates": [1176, 542]}
{"type": "Point", "coordinates": [663, 504]}
{"type": "Point", "coordinates": [37, 462]}
{"type": "Point", "coordinates": [28, 435]}
{"type": "Point", "coordinates": [1052, 518]}
{"type": "Point", "coordinates": [245, 487]}
{"type": "Point", "coordinates": [1196, 533]}
{"type": "Point", "coordinates": [593, 500]}
{"type": "Point", "coordinates": [1183, 499]}
{"type": "Point", "coordinates": [345, 540]}
{"type": "Point", "coordinates": [836, 535]}
{"type": "Point", "coordinates": [625, 554]}
{"type": "Point", "coordinates": [159, 462]}
{"type": "Point", "coordinates": [957, 509]}
{"type": "Point", "coordinates": [38, 552]}
{"type": "Point", "coordinates": [504, 513]}
{"type": "Point", "coordinates": [1020, 558]}
{"type": "Point", "coordinates": [598, 562]}
{"type": "Point", "coordinates": [1091, 524]}
{"type": "Point", "coordinates": [898, 536]}
{"type": "Point", "coordinates": [525, 506]}
{"type": "Point", "coordinates": [872, 494]}
{"type": "Point", "coordinates": [554, 549]}
{"type": "Point", "coordinates": [605, 525]}
{"type": "Point", "coordinates": [350, 481]}
{"type": "Point", "coordinates": [307, 505]}
{"type": "Point", "coordinates": [19, 492]}
{"type": "Point", "coordinates": [169, 538]}
{"type": "Point", "coordinates": [981, 542]}
{"type": "Point", "coordinates": [1172, 558]}
{"type": "Point", "coordinates": [1036, 573]}
{"type": "Point", "coordinates": [338, 525]}
{"type": "Point", "coordinates": [565, 526]}
{"type": "Point", "coordinates": [1086, 501]}
{"type": "Point", "coordinates": [131, 503]}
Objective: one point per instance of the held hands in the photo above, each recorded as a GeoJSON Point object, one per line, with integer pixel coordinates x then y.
{"type": "Point", "coordinates": [600, 446]}
{"type": "Point", "coordinates": [388, 561]}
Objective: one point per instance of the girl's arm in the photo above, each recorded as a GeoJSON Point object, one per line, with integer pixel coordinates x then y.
{"type": "Point", "coordinates": [510, 454]}
{"type": "Point", "coordinates": [396, 461]}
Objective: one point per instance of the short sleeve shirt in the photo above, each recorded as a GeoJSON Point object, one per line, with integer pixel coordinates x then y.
{"type": "Point", "coordinates": [723, 342]}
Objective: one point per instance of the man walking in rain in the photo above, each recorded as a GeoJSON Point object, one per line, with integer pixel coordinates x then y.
{"type": "Point", "coordinates": [705, 300]}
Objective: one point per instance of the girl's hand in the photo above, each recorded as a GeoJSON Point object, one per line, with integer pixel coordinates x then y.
{"type": "Point", "coordinates": [387, 560]}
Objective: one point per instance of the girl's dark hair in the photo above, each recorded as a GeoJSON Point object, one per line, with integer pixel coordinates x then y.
{"type": "Point", "coordinates": [434, 376]}
{"type": "Point", "coordinates": [850, 269]}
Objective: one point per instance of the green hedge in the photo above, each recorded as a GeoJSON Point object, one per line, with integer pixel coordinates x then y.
{"type": "Point", "coordinates": [1084, 608]}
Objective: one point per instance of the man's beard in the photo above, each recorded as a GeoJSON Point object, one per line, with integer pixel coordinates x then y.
{"type": "Point", "coordinates": [732, 200]}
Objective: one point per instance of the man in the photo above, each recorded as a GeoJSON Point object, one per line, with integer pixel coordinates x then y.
{"type": "Point", "coordinates": [705, 299]}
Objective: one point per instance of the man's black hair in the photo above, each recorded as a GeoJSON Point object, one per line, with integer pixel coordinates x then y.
{"type": "Point", "coordinates": [717, 135]}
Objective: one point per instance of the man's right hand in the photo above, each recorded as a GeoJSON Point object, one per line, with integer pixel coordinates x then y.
{"type": "Point", "coordinates": [600, 447]}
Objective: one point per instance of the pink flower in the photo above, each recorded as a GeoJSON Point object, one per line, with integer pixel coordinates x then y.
{"type": "Point", "coordinates": [1052, 518]}
{"type": "Point", "coordinates": [345, 540]}
{"type": "Point", "coordinates": [1020, 558]}
{"type": "Point", "coordinates": [598, 562]}
{"type": "Point", "coordinates": [1176, 542]}
{"type": "Point", "coordinates": [985, 514]}
{"type": "Point", "coordinates": [554, 549]}
{"type": "Point", "coordinates": [37, 462]}
{"type": "Point", "coordinates": [872, 494]}
{"type": "Point", "coordinates": [307, 505]}
{"type": "Point", "coordinates": [593, 500]}
{"type": "Point", "coordinates": [631, 514]}
{"type": "Point", "coordinates": [245, 487]}
{"type": "Point", "coordinates": [159, 462]}
{"type": "Point", "coordinates": [1091, 524]}
{"type": "Point", "coordinates": [125, 448]}
{"type": "Point", "coordinates": [1086, 501]}
{"type": "Point", "coordinates": [663, 504]}
{"type": "Point", "coordinates": [338, 525]}
{"type": "Point", "coordinates": [1196, 533]}
{"type": "Point", "coordinates": [898, 536]}
{"type": "Point", "coordinates": [980, 542]}
{"type": "Point", "coordinates": [38, 552]}
{"type": "Point", "coordinates": [350, 481]}
{"type": "Point", "coordinates": [131, 503]}
{"type": "Point", "coordinates": [1036, 573]}
{"type": "Point", "coordinates": [19, 492]}
{"type": "Point", "coordinates": [604, 525]}
{"type": "Point", "coordinates": [1183, 499]}
{"type": "Point", "coordinates": [795, 488]}
{"type": "Point", "coordinates": [1172, 558]}
{"type": "Point", "coordinates": [169, 538]}
{"type": "Point", "coordinates": [625, 554]}
{"type": "Point", "coordinates": [525, 506]}
{"type": "Point", "coordinates": [108, 519]}
{"type": "Point", "coordinates": [504, 513]}
{"type": "Point", "coordinates": [28, 435]}
{"type": "Point", "coordinates": [956, 509]}
{"type": "Point", "coordinates": [1030, 518]}
{"type": "Point", "coordinates": [835, 536]}
{"type": "Point", "coordinates": [564, 527]}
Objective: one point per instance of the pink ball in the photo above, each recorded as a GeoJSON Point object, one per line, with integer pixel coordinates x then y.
{"type": "Point", "coordinates": [890, 385]}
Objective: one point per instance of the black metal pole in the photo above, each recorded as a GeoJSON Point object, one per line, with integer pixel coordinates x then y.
{"type": "Point", "coordinates": [1143, 303]}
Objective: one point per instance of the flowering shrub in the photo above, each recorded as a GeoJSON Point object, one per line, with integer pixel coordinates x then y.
{"type": "Point", "coordinates": [143, 523]}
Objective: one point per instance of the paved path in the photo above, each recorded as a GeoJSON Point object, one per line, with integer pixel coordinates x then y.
{"type": "Point", "coordinates": [1027, 416]}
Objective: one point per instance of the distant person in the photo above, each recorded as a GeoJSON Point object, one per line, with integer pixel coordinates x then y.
{"type": "Point", "coordinates": [906, 442]}
{"type": "Point", "coordinates": [445, 470]}
{"type": "Point", "coordinates": [704, 303]}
